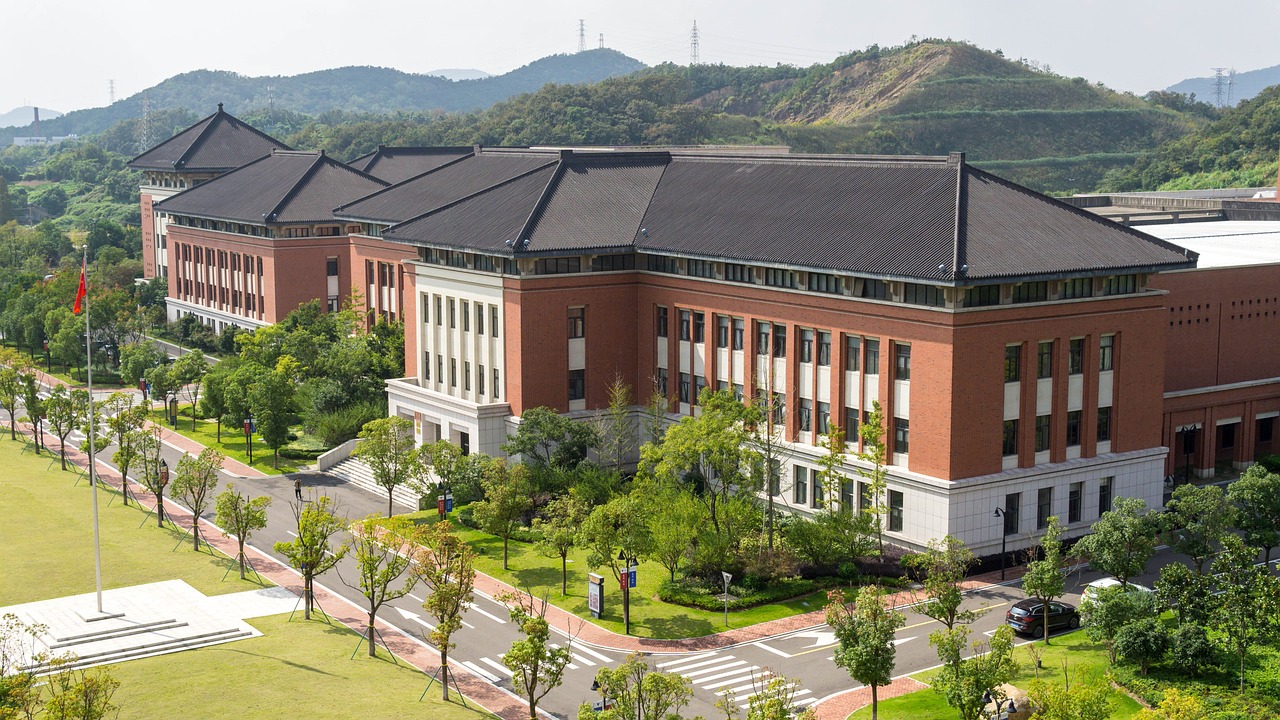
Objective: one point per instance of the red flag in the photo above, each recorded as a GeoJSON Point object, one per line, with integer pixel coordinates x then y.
{"type": "Point", "coordinates": [80, 293]}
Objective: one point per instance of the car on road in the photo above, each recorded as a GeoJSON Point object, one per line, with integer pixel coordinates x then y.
{"type": "Point", "coordinates": [1093, 589]}
{"type": "Point", "coordinates": [1027, 617]}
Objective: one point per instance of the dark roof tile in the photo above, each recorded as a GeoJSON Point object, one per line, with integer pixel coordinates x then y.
{"type": "Point", "coordinates": [397, 164]}
{"type": "Point", "coordinates": [217, 143]}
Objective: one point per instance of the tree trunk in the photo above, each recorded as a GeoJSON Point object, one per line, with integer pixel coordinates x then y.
{"type": "Point", "coordinates": [219, 428]}
{"type": "Point", "coordinates": [1046, 623]}
{"type": "Point", "coordinates": [389, 509]}
{"type": "Point", "coordinates": [1242, 655]}
{"type": "Point", "coordinates": [564, 575]}
{"type": "Point", "coordinates": [276, 458]}
{"type": "Point", "coordinates": [306, 597]}
{"type": "Point", "coordinates": [62, 453]}
{"type": "Point", "coordinates": [444, 670]}
{"type": "Point", "coordinates": [240, 556]}
{"type": "Point", "coordinates": [875, 702]}
{"type": "Point", "coordinates": [373, 649]}
{"type": "Point", "coordinates": [13, 423]}
{"type": "Point", "coordinates": [160, 508]}
{"type": "Point", "coordinates": [505, 539]}
{"type": "Point", "coordinates": [124, 483]}
{"type": "Point", "coordinates": [195, 531]}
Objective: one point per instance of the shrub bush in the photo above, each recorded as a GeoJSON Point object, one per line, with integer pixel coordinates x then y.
{"type": "Point", "coordinates": [1189, 649]}
{"type": "Point", "coordinates": [691, 593]}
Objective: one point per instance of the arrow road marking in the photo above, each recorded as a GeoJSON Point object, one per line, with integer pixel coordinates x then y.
{"type": "Point", "coordinates": [416, 618]}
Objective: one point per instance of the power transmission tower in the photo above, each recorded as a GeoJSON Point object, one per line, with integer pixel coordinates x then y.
{"type": "Point", "coordinates": [1219, 86]}
{"type": "Point", "coordinates": [111, 92]}
{"type": "Point", "coordinates": [693, 45]}
{"type": "Point", "coordinates": [144, 128]}
{"type": "Point", "coordinates": [1231, 87]}
{"type": "Point", "coordinates": [582, 35]}
{"type": "Point", "coordinates": [601, 41]}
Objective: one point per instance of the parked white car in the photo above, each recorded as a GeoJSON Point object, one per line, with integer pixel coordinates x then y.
{"type": "Point", "coordinates": [1091, 590]}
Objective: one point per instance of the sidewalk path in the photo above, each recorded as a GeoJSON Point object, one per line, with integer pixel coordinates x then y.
{"type": "Point", "coordinates": [839, 707]}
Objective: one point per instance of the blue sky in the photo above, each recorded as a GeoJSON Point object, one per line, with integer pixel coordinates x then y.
{"type": "Point", "coordinates": [60, 53]}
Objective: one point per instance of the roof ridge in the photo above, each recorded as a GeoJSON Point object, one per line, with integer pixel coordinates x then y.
{"type": "Point", "coordinates": [228, 173]}
{"type": "Point", "coordinates": [206, 120]}
{"type": "Point", "coordinates": [392, 186]}
{"type": "Point", "coordinates": [960, 238]}
{"type": "Point", "coordinates": [540, 207]}
{"type": "Point", "coordinates": [477, 193]}
{"type": "Point", "coordinates": [322, 160]}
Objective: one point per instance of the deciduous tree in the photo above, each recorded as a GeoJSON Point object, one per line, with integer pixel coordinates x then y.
{"type": "Point", "coordinates": [195, 480]}
{"type": "Point", "coordinates": [124, 421]}
{"type": "Point", "coordinates": [61, 412]}
{"type": "Point", "coordinates": [865, 636]}
{"type": "Point", "coordinates": [10, 394]}
{"type": "Point", "coordinates": [1086, 699]}
{"type": "Point", "coordinates": [614, 534]}
{"type": "Point", "coordinates": [1196, 519]}
{"type": "Point", "coordinates": [381, 550]}
{"type": "Point", "coordinates": [241, 516]}
{"type": "Point", "coordinates": [943, 567]}
{"type": "Point", "coordinates": [1113, 608]}
{"type": "Point", "coordinates": [150, 446]}
{"type": "Point", "coordinates": [968, 684]}
{"type": "Point", "coordinates": [674, 519]}
{"type": "Point", "coordinates": [1142, 641]}
{"type": "Point", "coordinates": [446, 566]}
{"type": "Point", "coordinates": [558, 532]}
{"type": "Point", "coordinates": [637, 691]}
{"type": "Point", "coordinates": [1122, 540]}
{"type": "Point", "coordinates": [312, 553]}
{"type": "Point", "coordinates": [873, 453]}
{"type": "Point", "coordinates": [387, 446]}
{"type": "Point", "coordinates": [506, 491]}
{"type": "Point", "coordinates": [537, 667]}
{"type": "Point", "coordinates": [272, 399]}
{"type": "Point", "coordinates": [34, 406]}
{"type": "Point", "coordinates": [1247, 604]}
{"type": "Point", "coordinates": [1045, 579]}
{"type": "Point", "coordinates": [1184, 590]}
{"type": "Point", "coordinates": [189, 372]}
{"type": "Point", "coordinates": [615, 426]}
{"type": "Point", "coordinates": [546, 438]}
{"type": "Point", "coordinates": [1255, 498]}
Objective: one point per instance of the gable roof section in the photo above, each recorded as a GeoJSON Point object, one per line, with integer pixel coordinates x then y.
{"type": "Point", "coordinates": [283, 187]}
{"type": "Point", "coordinates": [397, 164]}
{"type": "Point", "coordinates": [595, 202]}
{"type": "Point", "coordinates": [217, 143]}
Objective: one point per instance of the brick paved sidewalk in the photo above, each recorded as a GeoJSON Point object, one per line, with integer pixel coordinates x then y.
{"type": "Point", "coordinates": [838, 707]}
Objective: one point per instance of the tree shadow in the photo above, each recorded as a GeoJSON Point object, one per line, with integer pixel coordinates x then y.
{"type": "Point", "coordinates": [676, 627]}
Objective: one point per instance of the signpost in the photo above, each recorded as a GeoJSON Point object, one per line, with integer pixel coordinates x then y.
{"type": "Point", "coordinates": [248, 435]}
{"type": "Point", "coordinates": [727, 577]}
{"type": "Point", "coordinates": [444, 503]}
{"type": "Point", "coordinates": [595, 594]}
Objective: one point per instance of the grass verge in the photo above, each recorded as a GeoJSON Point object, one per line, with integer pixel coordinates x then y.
{"type": "Point", "coordinates": [233, 443]}
{"type": "Point", "coordinates": [299, 668]}
{"type": "Point", "coordinates": [46, 532]}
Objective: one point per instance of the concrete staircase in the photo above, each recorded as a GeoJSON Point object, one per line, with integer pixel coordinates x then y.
{"type": "Point", "coordinates": [356, 473]}
{"type": "Point", "coordinates": [122, 640]}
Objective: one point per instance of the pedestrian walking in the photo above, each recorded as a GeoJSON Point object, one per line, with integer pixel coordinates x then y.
{"type": "Point", "coordinates": [297, 488]}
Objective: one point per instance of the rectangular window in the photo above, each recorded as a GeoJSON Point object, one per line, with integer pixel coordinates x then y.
{"type": "Point", "coordinates": [982, 295]}
{"type": "Point", "coordinates": [684, 317]}
{"type": "Point", "coordinates": [439, 368]}
{"type": "Point", "coordinates": [824, 349]}
{"type": "Point", "coordinates": [1075, 356]}
{"type": "Point", "coordinates": [806, 415]}
{"type": "Point", "coordinates": [779, 341]}
{"type": "Point", "coordinates": [800, 488]}
{"type": "Point", "coordinates": [1042, 433]}
{"type": "Point", "coordinates": [824, 418]}
{"type": "Point", "coordinates": [497, 377]}
{"type": "Point", "coordinates": [895, 511]}
{"type": "Point", "coordinates": [873, 357]}
{"type": "Point", "coordinates": [699, 327]}
{"type": "Point", "coordinates": [738, 331]}
{"type": "Point", "coordinates": [606, 263]}
{"type": "Point", "coordinates": [738, 273]}
{"type": "Point", "coordinates": [683, 390]}
{"type": "Point", "coordinates": [819, 498]}
{"type": "Point", "coordinates": [918, 294]}
{"type": "Point", "coordinates": [1075, 496]}
{"type": "Point", "coordinates": [439, 310]}
{"type": "Point", "coordinates": [806, 346]}
{"type": "Point", "coordinates": [1106, 352]}
{"type": "Point", "coordinates": [466, 376]}
{"type": "Point", "coordinates": [426, 367]}
{"type": "Point", "coordinates": [852, 353]}
{"type": "Point", "coordinates": [662, 263]}
{"type": "Point", "coordinates": [557, 266]}
{"type": "Point", "coordinates": [824, 282]}
{"type": "Point", "coordinates": [902, 362]}
{"type": "Point", "coordinates": [466, 316]}
{"type": "Point", "coordinates": [762, 338]}
{"type": "Point", "coordinates": [1104, 495]}
{"type": "Point", "coordinates": [1266, 426]}
{"type": "Point", "coordinates": [577, 323]}
{"type": "Point", "coordinates": [874, 289]}
{"type": "Point", "coordinates": [846, 496]}
{"type": "Point", "coordinates": [698, 268]}
{"type": "Point", "coordinates": [901, 435]}
{"type": "Point", "coordinates": [1011, 502]}
{"type": "Point", "coordinates": [1044, 360]}
{"type": "Point", "coordinates": [1012, 363]}
{"type": "Point", "coordinates": [453, 372]}
{"type": "Point", "coordinates": [577, 384]}
{"type": "Point", "coordinates": [493, 330]}
{"type": "Point", "coordinates": [739, 393]}
{"type": "Point", "coordinates": [775, 477]}
{"type": "Point", "coordinates": [1122, 285]}
{"type": "Point", "coordinates": [479, 318]}
{"type": "Point", "coordinates": [661, 381]}
{"type": "Point", "coordinates": [775, 277]}
{"type": "Point", "coordinates": [1077, 288]}
{"type": "Point", "coordinates": [851, 425]}
{"type": "Point", "coordinates": [779, 409]}
{"type": "Point", "coordinates": [1010, 445]}
{"type": "Point", "coordinates": [480, 378]}
{"type": "Point", "coordinates": [453, 314]}
{"type": "Point", "coordinates": [864, 497]}
{"type": "Point", "coordinates": [1104, 424]}
{"type": "Point", "coordinates": [661, 321]}
{"type": "Point", "coordinates": [1073, 428]}
{"type": "Point", "coordinates": [722, 332]}
{"type": "Point", "coordinates": [331, 266]}
{"type": "Point", "coordinates": [1031, 292]}
{"type": "Point", "coordinates": [1044, 507]}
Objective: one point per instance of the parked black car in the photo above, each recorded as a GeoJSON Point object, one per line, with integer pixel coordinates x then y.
{"type": "Point", "coordinates": [1027, 616]}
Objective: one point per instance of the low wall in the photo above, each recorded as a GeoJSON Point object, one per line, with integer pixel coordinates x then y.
{"type": "Point", "coordinates": [336, 455]}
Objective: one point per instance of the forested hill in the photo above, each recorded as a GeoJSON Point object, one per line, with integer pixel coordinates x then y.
{"type": "Point", "coordinates": [348, 89]}
{"type": "Point", "coordinates": [931, 97]}
{"type": "Point", "coordinates": [1237, 150]}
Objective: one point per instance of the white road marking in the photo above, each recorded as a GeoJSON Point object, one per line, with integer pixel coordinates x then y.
{"type": "Point", "coordinates": [731, 681]}
{"type": "Point", "coordinates": [773, 650]}
{"type": "Point", "coordinates": [415, 597]}
{"type": "Point", "coordinates": [480, 671]}
{"type": "Point", "coordinates": [593, 653]}
{"type": "Point", "coordinates": [491, 616]}
{"type": "Point", "coordinates": [498, 666]}
{"type": "Point", "coordinates": [682, 661]}
{"type": "Point", "coordinates": [717, 668]}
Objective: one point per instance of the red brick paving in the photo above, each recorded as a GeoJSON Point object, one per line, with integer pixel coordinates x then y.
{"type": "Point", "coordinates": [838, 707]}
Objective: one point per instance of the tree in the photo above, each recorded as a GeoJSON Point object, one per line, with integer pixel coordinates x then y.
{"type": "Point", "coordinates": [773, 698]}
{"type": "Point", "coordinates": [124, 423]}
{"type": "Point", "coordinates": [240, 516]}
{"type": "Point", "coordinates": [61, 411]}
{"type": "Point", "coordinates": [136, 359]}
{"type": "Point", "coordinates": [537, 667]}
{"type": "Point", "coordinates": [1176, 705]}
{"type": "Point", "coordinates": [1187, 592]}
{"type": "Point", "coordinates": [944, 566]}
{"type": "Point", "coordinates": [1122, 540]}
{"type": "Point", "coordinates": [547, 439]}
{"type": "Point", "coordinates": [1246, 606]}
{"type": "Point", "coordinates": [615, 427]}
{"type": "Point", "coordinates": [1112, 609]}
{"type": "Point", "coordinates": [34, 405]}
{"type": "Point", "coordinates": [1196, 519]}
{"type": "Point", "coordinates": [1142, 641]}
{"type": "Point", "coordinates": [767, 443]}
{"type": "Point", "coordinates": [637, 691]}
{"type": "Point", "coordinates": [967, 684]}
{"type": "Point", "coordinates": [213, 404]}
{"type": "Point", "coordinates": [81, 695]}
{"type": "Point", "coordinates": [506, 501]}
{"type": "Point", "coordinates": [1255, 498]}
{"type": "Point", "coordinates": [446, 566]}
{"type": "Point", "coordinates": [1045, 579]}
{"type": "Point", "coordinates": [387, 446]}
{"type": "Point", "coordinates": [614, 534]}
{"type": "Point", "coordinates": [865, 636]}
{"type": "Point", "coordinates": [163, 383]}
{"type": "Point", "coordinates": [10, 394]}
{"type": "Point", "coordinates": [873, 452]}
{"type": "Point", "coordinates": [150, 447]}
{"type": "Point", "coordinates": [1190, 651]}
{"type": "Point", "coordinates": [1087, 700]}
{"type": "Point", "coordinates": [311, 552]}
{"type": "Point", "coordinates": [380, 548]}
{"type": "Point", "coordinates": [653, 417]}
{"type": "Point", "coordinates": [195, 480]}
{"type": "Point", "coordinates": [272, 400]}
{"type": "Point", "coordinates": [674, 518]}
{"type": "Point", "coordinates": [189, 372]}
{"type": "Point", "coordinates": [558, 532]}
{"type": "Point", "coordinates": [461, 474]}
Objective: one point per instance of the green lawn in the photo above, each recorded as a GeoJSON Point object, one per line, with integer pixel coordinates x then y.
{"type": "Point", "coordinates": [233, 443]}
{"type": "Point", "coordinates": [46, 532]}
{"type": "Point", "coordinates": [650, 617]}
{"type": "Point", "coordinates": [301, 669]}
{"type": "Point", "coordinates": [1085, 659]}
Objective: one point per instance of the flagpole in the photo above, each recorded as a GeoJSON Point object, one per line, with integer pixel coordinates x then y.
{"type": "Point", "coordinates": [93, 484]}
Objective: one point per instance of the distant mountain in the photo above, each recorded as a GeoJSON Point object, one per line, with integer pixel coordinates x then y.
{"type": "Point", "coordinates": [348, 89]}
{"type": "Point", "coordinates": [1248, 85]}
{"type": "Point", "coordinates": [18, 117]}
{"type": "Point", "coordinates": [460, 73]}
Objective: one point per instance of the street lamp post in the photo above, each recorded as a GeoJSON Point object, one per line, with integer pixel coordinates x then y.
{"type": "Point", "coordinates": [986, 698]}
{"type": "Point", "coordinates": [628, 572]}
{"type": "Point", "coordinates": [248, 435]}
{"type": "Point", "coordinates": [1003, 539]}
{"type": "Point", "coordinates": [163, 475]}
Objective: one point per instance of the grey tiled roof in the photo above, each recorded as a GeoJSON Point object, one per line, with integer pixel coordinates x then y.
{"type": "Point", "coordinates": [284, 187]}
{"type": "Point", "coordinates": [445, 184]}
{"type": "Point", "coordinates": [217, 143]}
{"type": "Point", "coordinates": [397, 164]}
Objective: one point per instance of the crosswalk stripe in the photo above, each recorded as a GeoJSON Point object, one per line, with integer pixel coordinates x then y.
{"type": "Point", "coordinates": [798, 693]}
{"type": "Point", "coordinates": [806, 701]}
{"type": "Point", "coordinates": [498, 666]}
{"type": "Point", "coordinates": [731, 680]}
{"type": "Point", "coordinates": [717, 668]}
{"type": "Point", "coordinates": [480, 671]}
{"type": "Point", "coordinates": [756, 681]}
{"type": "Point", "coordinates": [593, 653]}
{"type": "Point", "coordinates": [576, 656]}
{"type": "Point", "coordinates": [682, 661]}
{"type": "Point", "coordinates": [491, 616]}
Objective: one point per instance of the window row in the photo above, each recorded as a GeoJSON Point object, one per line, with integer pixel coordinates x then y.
{"type": "Point", "coordinates": [1044, 358]}
{"type": "Point", "coordinates": [453, 377]}
{"type": "Point", "coordinates": [460, 312]}
{"type": "Point", "coordinates": [807, 491]}
{"type": "Point", "coordinates": [1012, 510]}
{"type": "Point", "coordinates": [1044, 431]}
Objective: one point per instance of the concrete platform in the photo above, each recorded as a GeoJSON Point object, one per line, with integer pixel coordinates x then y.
{"type": "Point", "coordinates": [144, 620]}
